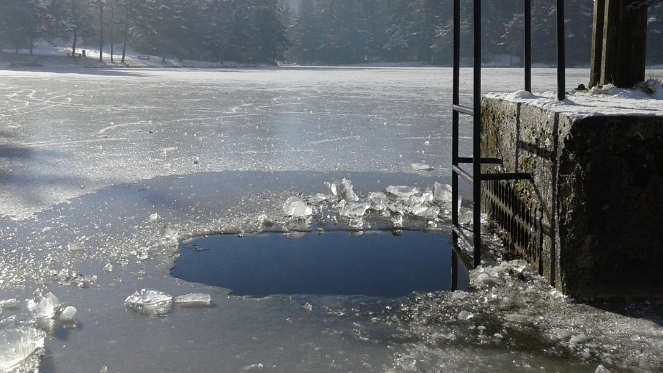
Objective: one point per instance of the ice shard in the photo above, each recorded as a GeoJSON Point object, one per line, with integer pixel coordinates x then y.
{"type": "Point", "coordinates": [149, 302]}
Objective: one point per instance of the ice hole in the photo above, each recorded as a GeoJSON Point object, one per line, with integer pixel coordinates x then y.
{"type": "Point", "coordinates": [332, 263]}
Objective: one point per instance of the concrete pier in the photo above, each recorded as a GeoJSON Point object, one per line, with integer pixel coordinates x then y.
{"type": "Point", "coordinates": [597, 178]}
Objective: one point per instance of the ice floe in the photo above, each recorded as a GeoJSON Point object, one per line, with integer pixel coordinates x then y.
{"type": "Point", "coordinates": [149, 302]}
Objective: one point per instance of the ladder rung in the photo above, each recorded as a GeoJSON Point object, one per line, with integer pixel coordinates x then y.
{"type": "Point", "coordinates": [464, 174]}
{"type": "Point", "coordinates": [506, 176]}
{"type": "Point", "coordinates": [487, 177]}
{"type": "Point", "coordinates": [483, 160]}
{"type": "Point", "coordinates": [463, 109]}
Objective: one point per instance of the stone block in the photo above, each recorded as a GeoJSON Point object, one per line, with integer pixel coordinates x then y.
{"type": "Point", "coordinates": [599, 182]}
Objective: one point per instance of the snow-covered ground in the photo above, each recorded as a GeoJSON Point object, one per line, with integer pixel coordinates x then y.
{"type": "Point", "coordinates": [55, 55]}
{"type": "Point", "coordinates": [103, 172]}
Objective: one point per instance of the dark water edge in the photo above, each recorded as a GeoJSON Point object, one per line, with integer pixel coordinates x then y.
{"type": "Point", "coordinates": [332, 263]}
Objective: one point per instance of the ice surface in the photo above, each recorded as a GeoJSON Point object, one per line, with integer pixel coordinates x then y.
{"type": "Point", "coordinates": [149, 302]}
{"type": "Point", "coordinates": [46, 307]}
{"type": "Point", "coordinates": [193, 300]}
{"type": "Point", "coordinates": [83, 160]}
{"type": "Point", "coordinates": [20, 349]}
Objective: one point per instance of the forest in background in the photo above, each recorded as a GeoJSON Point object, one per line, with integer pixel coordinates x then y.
{"type": "Point", "coordinates": [329, 32]}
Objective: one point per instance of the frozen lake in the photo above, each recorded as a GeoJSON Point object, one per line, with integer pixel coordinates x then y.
{"type": "Point", "coordinates": [104, 172]}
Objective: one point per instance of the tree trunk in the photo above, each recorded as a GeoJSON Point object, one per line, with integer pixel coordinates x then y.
{"type": "Point", "coordinates": [112, 23]}
{"type": "Point", "coordinates": [126, 33]}
{"type": "Point", "coordinates": [73, 47]}
{"type": "Point", "coordinates": [101, 30]}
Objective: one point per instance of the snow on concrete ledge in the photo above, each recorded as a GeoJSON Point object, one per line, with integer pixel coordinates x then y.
{"type": "Point", "coordinates": [645, 100]}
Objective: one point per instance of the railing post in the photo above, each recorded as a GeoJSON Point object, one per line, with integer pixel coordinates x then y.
{"type": "Point", "coordinates": [528, 45]}
{"type": "Point", "coordinates": [561, 52]}
{"type": "Point", "coordinates": [476, 152]}
{"type": "Point", "coordinates": [455, 116]}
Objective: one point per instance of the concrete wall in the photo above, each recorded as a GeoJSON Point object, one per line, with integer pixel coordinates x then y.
{"type": "Point", "coordinates": [599, 182]}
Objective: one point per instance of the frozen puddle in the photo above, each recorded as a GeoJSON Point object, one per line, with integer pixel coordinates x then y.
{"type": "Point", "coordinates": [333, 263]}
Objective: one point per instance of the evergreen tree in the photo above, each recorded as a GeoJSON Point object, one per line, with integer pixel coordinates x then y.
{"type": "Point", "coordinates": [655, 35]}
{"type": "Point", "coordinates": [307, 33]}
{"type": "Point", "coordinates": [269, 31]}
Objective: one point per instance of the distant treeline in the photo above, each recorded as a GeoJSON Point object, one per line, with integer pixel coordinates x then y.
{"type": "Point", "coordinates": [307, 31]}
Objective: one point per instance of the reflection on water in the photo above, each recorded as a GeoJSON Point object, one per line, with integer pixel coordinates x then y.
{"type": "Point", "coordinates": [372, 264]}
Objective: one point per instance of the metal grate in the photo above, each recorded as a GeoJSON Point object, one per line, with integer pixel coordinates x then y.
{"type": "Point", "coordinates": [519, 222]}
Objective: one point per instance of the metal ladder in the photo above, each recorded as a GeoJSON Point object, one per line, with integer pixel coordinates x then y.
{"type": "Point", "coordinates": [476, 177]}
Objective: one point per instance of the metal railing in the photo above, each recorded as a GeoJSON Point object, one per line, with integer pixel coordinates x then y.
{"type": "Point", "coordinates": [475, 177]}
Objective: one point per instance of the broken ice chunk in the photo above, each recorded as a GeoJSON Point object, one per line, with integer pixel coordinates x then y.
{"type": "Point", "coordinates": [74, 247]}
{"type": "Point", "coordinates": [20, 349]}
{"type": "Point", "coordinates": [68, 314]}
{"type": "Point", "coordinates": [344, 190]}
{"type": "Point", "coordinates": [318, 198]}
{"type": "Point", "coordinates": [47, 306]}
{"type": "Point", "coordinates": [8, 304]}
{"type": "Point", "coordinates": [296, 208]}
{"type": "Point", "coordinates": [402, 192]}
{"type": "Point", "coordinates": [108, 267]}
{"type": "Point", "coordinates": [354, 209]}
{"type": "Point", "coordinates": [420, 198]}
{"type": "Point", "coordinates": [421, 167]}
{"type": "Point", "coordinates": [601, 369]}
{"type": "Point", "coordinates": [442, 192]}
{"type": "Point", "coordinates": [193, 300]}
{"type": "Point", "coordinates": [397, 220]}
{"type": "Point", "coordinates": [426, 212]}
{"type": "Point", "coordinates": [465, 216]}
{"type": "Point", "coordinates": [465, 315]}
{"type": "Point", "coordinates": [149, 302]}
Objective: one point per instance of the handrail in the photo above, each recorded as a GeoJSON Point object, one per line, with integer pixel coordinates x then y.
{"type": "Point", "coordinates": [475, 178]}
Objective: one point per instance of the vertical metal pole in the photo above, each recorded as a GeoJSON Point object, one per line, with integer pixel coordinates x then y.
{"type": "Point", "coordinates": [561, 52]}
{"type": "Point", "coordinates": [528, 45]}
{"type": "Point", "coordinates": [454, 270]}
{"type": "Point", "coordinates": [476, 151]}
{"type": "Point", "coordinates": [455, 117]}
